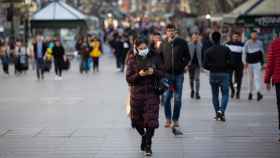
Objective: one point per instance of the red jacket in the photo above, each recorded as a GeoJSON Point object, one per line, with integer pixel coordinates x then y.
{"type": "Point", "coordinates": [273, 63]}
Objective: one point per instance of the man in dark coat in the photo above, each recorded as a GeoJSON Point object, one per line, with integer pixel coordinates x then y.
{"type": "Point", "coordinates": [217, 61]}
{"type": "Point", "coordinates": [175, 57]}
{"type": "Point", "coordinates": [58, 54]}
{"type": "Point", "coordinates": [40, 49]}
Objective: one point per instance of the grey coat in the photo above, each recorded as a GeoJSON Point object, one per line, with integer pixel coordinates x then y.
{"type": "Point", "coordinates": [198, 52]}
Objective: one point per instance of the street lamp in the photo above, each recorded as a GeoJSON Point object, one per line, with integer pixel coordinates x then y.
{"type": "Point", "coordinates": [208, 18]}
{"type": "Point", "coordinates": [26, 22]}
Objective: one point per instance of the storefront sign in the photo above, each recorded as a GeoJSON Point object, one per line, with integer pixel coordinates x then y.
{"type": "Point", "coordinates": [260, 21]}
{"type": "Point", "coordinates": [267, 21]}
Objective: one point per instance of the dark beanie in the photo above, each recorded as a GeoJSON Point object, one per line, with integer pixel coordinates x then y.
{"type": "Point", "coordinates": [216, 37]}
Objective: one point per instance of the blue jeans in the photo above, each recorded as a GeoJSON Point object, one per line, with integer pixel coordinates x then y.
{"type": "Point", "coordinates": [220, 81]}
{"type": "Point", "coordinates": [177, 82]}
{"type": "Point", "coordinates": [40, 68]}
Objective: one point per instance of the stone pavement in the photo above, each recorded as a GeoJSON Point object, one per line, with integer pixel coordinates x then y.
{"type": "Point", "coordinates": [84, 116]}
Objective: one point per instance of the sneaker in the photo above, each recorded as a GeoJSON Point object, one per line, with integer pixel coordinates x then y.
{"type": "Point", "coordinates": [217, 116]}
{"type": "Point", "coordinates": [222, 117]}
{"type": "Point", "coordinates": [192, 94]}
{"type": "Point", "coordinates": [148, 151]}
{"type": "Point", "coordinates": [259, 96]}
{"type": "Point", "coordinates": [56, 78]}
{"type": "Point", "coordinates": [175, 124]}
{"type": "Point", "coordinates": [197, 96]}
{"type": "Point", "coordinates": [168, 124]}
{"type": "Point", "coordinates": [250, 97]}
{"type": "Point", "coordinates": [176, 131]}
{"type": "Point", "coordinates": [143, 143]}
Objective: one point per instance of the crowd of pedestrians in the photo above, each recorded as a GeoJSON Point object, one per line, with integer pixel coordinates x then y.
{"type": "Point", "coordinates": [155, 63]}
{"type": "Point", "coordinates": [225, 61]}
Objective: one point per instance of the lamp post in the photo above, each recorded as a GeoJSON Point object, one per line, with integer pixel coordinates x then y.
{"type": "Point", "coordinates": [208, 18]}
{"type": "Point", "coordinates": [27, 4]}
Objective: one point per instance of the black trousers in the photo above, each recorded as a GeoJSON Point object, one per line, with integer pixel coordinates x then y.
{"type": "Point", "coordinates": [278, 101]}
{"type": "Point", "coordinates": [95, 63]}
{"type": "Point", "coordinates": [6, 68]}
{"type": "Point", "coordinates": [148, 132]}
{"type": "Point", "coordinates": [194, 73]}
{"type": "Point", "coordinates": [58, 67]}
{"type": "Point", "coordinates": [237, 74]}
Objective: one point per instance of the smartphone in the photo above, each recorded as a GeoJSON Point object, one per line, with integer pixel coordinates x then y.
{"type": "Point", "coordinates": [146, 69]}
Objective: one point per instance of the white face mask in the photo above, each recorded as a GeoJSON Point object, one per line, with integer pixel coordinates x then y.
{"type": "Point", "coordinates": [143, 52]}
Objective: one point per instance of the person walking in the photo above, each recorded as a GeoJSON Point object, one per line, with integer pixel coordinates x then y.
{"type": "Point", "coordinates": [95, 53]}
{"type": "Point", "coordinates": [5, 56]}
{"type": "Point", "coordinates": [141, 74]}
{"type": "Point", "coordinates": [21, 58]}
{"type": "Point", "coordinates": [272, 72]}
{"type": "Point", "coordinates": [39, 53]}
{"type": "Point", "coordinates": [195, 47]}
{"type": "Point", "coordinates": [126, 48]}
{"type": "Point", "coordinates": [175, 57]}
{"type": "Point", "coordinates": [217, 61]}
{"type": "Point", "coordinates": [58, 53]}
{"type": "Point", "coordinates": [117, 46]}
{"type": "Point", "coordinates": [85, 51]}
{"type": "Point", "coordinates": [236, 47]}
{"type": "Point", "coordinates": [253, 52]}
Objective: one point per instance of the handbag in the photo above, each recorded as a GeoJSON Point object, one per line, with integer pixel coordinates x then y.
{"type": "Point", "coordinates": [66, 64]}
{"type": "Point", "coordinates": [160, 86]}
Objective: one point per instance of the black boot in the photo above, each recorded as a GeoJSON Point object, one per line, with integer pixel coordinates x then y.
{"type": "Point", "coordinates": [238, 95]}
{"type": "Point", "coordinates": [222, 117]}
{"type": "Point", "coordinates": [192, 94]}
{"type": "Point", "coordinates": [148, 150]}
{"type": "Point", "coordinates": [143, 143]}
{"type": "Point", "coordinates": [197, 96]}
{"type": "Point", "coordinates": [217, 116]}
{"type": "Point", "coordinates": [250, 97]}
{"type": "Point", "coordinates": [259, 96]}
{"type": "Point", "coordinates": [232, 93]}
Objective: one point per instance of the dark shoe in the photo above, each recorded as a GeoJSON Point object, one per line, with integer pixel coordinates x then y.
{"type": "Point", "coordinates": [232, 94]}
{"type": "Point", "coordinates": [192, 94]}
{"type": "Point", "coordinates": [217, 116]}
{"type": "Point", "coordinates": [143, 143]}
{"type": "Point", "coordinates": [222, 117]}
{"type": "Point", "coordinates": [259, 96]}
{"type": "Point", "coordinates": [237, 95]}
{"type": "Point", "coordinates": [250, 97]}
{"type": "Point", "coordinates": [197, 96]}
{"type": "Point", "coordinates": [148, 150]}
{"type": "Point", "coordinates": [176, 131]}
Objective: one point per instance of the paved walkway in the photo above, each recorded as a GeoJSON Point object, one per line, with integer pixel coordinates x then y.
{"type": "Point", "coordinates": [84, 116]}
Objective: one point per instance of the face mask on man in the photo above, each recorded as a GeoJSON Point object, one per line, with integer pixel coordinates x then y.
{"type": "Point", "coordinates": [143, 52]}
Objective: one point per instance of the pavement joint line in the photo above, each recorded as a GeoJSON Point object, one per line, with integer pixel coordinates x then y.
{"type": "Point", "coordinates": [72, 133]}
{"type": "Point", "coordinates": [7, 131]}
{"type": "Point", "coordinates": [37, 134]}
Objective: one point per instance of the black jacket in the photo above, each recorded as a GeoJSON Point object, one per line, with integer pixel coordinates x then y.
{"type": "Point", "coordinates": [217, 59]}
{"type": "Point", "coordinates": [236, 52]}
{"type": "Point", "coordinates": [175, 56]}
{"type": "Point", "coordinates": [44, 49]}
{"type": "Point", "coordinates": [58, 53]}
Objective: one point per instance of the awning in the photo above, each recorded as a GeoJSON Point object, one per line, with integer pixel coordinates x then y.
{"type": "Point", "coordinates": [58, 15]}
{"type": "Point", "coordinates": [262, 13]}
